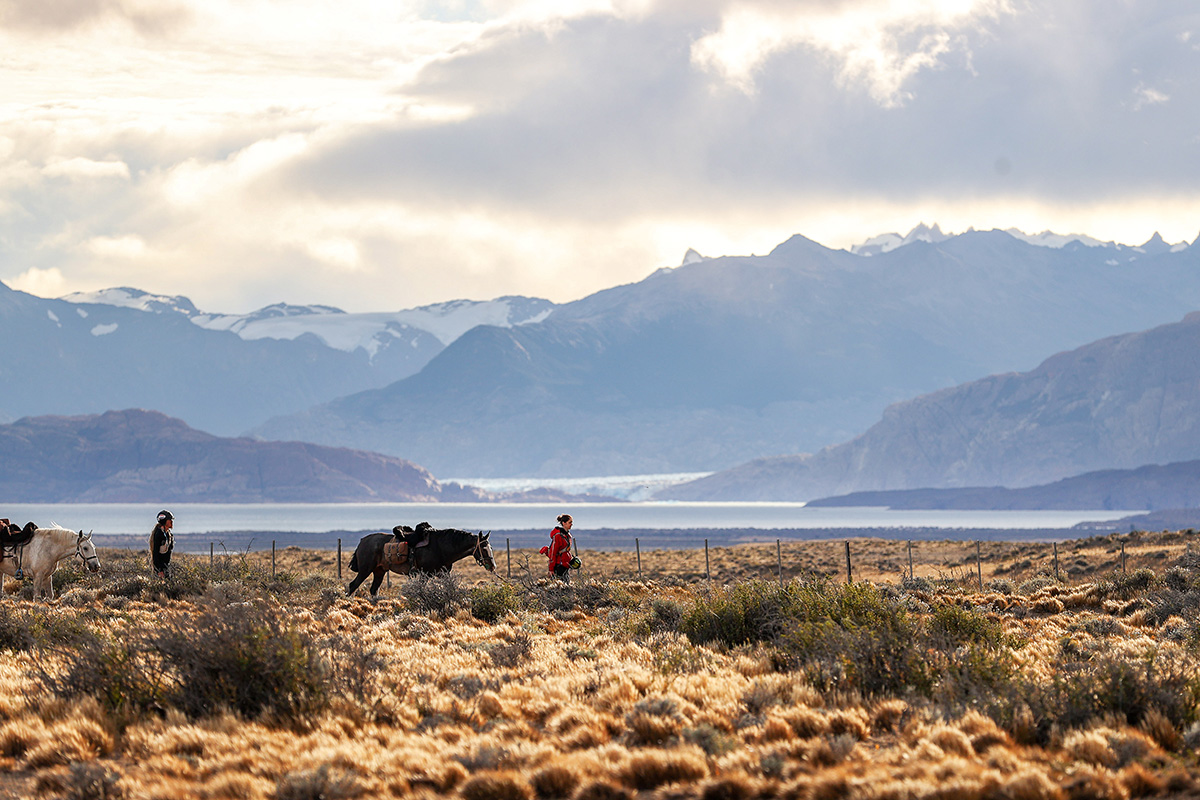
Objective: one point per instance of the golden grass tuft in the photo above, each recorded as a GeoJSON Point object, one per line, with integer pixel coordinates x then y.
{"type": "Point", "coordinates": [1156, 725]}
{"type": "Point", "coordinates": [886, 715]}
{"type": "Point", "coordinates": [806, 722]}
{"type": "Point", "coordinates": [952, 741]}
{"type": "Point", "coordinates": [500, 785]}
{"type": "Point", "coordinates": [1032, 785]}
{"type": "Point", "coordinates": [1090, 783]}
{"type": "Point", "coordinates": [1140, 781]}
{"type": "Point", "coordinates": [554, 781]}
{"type": "Point", "coordinates": [649, 769]}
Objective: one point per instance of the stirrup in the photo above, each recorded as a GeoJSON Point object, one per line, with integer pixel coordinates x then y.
{"type": "Point", "coordinates": [19, 574]}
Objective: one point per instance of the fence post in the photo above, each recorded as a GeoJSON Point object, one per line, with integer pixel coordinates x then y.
{"type": "Point", "coordinates": [1123, 557]}
{"type": "Point", "coordinates": [272, 559]}
{"type": "Point", "coordinates": [849, 571]}
{"type": "Point", "coordinates": [339, 558]}
{"type": "Point", "coordinates": [707, 572]}
{"type": "Point", "coordinates": [508, 553]}
{"type": "Point", "coordinates": [779, 560]}
{"type": "Point", "coordinates": [910, 566]}
{"type": "Point", "coordinates": [210, 555]}
{"type": "Point", "coordinates": [637, 545]}
{"type": "Point", "coordinates": [979, 565]}
{"type": "Point", "coordinates": [1057, 577]}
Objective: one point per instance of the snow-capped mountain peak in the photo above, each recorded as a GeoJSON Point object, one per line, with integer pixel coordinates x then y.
{"type": "Point", "coordinates": [126, 297]}
{"type": "Point", "coordinates": [372, 332]}
{"type": "Point", "coordinates": [886, 242]}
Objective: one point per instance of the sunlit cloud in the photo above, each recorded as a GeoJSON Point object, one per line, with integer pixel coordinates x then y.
{"type": "Point", "coordinates": [80, 167]}
{"type": "Point", "coordinates": [879, 44]}
{"type": "Point", "coordinates": [120, 247]}
{"type": "Point", "coordinates": [41, 282]}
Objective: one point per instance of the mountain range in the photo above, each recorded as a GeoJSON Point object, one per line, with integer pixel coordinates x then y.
{"type": "Point", "coordinates": [123, 348]}
{"type": "Point", "coordinates": [1117, 403]}
{"type": "Point", "coordinates": [1154, 487]}
{"type": "Point", "coordinates": [714, 363]}
{"type": "Point", "coordinates": [723, 360]}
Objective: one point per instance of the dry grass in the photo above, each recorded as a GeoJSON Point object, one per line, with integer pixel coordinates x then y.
{"type": "Point", "coordinates": [1083, 689]}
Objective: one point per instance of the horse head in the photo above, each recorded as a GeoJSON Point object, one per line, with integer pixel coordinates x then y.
{"type": "Point", "coordinates": [484, 556]}
{"type": "Point", "coordinates": [86, 550]}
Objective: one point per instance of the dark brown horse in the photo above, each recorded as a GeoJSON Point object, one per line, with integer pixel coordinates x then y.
{"type": "Point", "coordinates": [444, 548]}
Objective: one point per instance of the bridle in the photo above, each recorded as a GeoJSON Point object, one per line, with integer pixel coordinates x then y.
{"type": "Point", "coordinates": [87, 560]}
{"type": "Point", "coordinates": [478, 552]}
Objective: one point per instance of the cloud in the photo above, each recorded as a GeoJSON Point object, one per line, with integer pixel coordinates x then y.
{"type": "Point", "coordinates": [40, 282]}
{"type": "Point", "coordinates": [85, 168]}
{"type": "Point", "coordinates": [877, 45]}
{"type": "Point", "coordinates": [147, 17]}
{"type": "Point", "coordinates": [374, 156]}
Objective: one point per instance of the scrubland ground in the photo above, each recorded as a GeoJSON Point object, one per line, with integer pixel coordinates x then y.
{"type": "Point", "coordinates": [226, 681]}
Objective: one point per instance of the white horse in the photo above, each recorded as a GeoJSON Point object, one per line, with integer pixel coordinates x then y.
{"type": "Point", "coordinates": [43, 552]}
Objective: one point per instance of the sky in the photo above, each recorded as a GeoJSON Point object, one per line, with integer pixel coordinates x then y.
{"type": "Point", "coordinates": [383, 155]}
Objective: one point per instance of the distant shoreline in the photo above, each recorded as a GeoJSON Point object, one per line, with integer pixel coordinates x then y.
{"type": "Point", "coordinates": [610, 539]}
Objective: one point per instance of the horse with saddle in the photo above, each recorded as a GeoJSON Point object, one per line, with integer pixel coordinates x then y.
{"type": "Point", "coordinates": [423, 549]}
{"type": "Point", "coordinates": [13, 539]}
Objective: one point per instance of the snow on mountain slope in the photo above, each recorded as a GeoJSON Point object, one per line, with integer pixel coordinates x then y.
{"type": "Point", "coordinates": [336, 328]}
{"type": "Point", "coordinates": [886, 242]}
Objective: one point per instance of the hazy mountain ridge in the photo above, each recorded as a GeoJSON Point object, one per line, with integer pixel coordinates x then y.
{"type": "Point", "coordinates": [1119, 403]}
{"type": "Point", "coordinates": [145, 456]}
{"type": "Point", "coordinates": [725, 359]}
{"type": "Point", "coordinates": [1154, 487]}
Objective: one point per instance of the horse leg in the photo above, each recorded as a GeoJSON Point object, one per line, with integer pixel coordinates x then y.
{"type": "Point", "coordinates": [375, 584]}
{"type": "Point", "coordinates": [354, 584]}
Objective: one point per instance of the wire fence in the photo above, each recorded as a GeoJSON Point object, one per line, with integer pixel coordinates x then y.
{"type": "Point", "coordinates": [972, 564]}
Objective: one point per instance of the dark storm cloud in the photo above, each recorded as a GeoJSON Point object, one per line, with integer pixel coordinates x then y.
{"type": "Point", "coordinates": [1071, 101]}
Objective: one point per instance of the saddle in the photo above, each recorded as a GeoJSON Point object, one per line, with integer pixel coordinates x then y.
{"type": "Point", "coordinates": [13, 540]}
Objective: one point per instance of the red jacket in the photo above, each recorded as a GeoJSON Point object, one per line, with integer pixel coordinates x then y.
{"type": "Point", "coordinates": [559, 551]}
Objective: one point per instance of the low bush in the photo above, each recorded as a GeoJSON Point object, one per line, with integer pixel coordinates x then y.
{"type": "Point", "coordinates": [1126, 585]}
{"type": "Point", "coordinates": [957, 625]}
{"type": "Point", "coordinates": [251, 662]}
{"type": "Point", "coordinates": [491, 602]}
{"type": "Point", "coordinates": [440, 595]}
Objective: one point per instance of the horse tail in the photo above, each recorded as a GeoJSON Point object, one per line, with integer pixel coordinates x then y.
{"type": "Point", "coordinates": [354, 562]}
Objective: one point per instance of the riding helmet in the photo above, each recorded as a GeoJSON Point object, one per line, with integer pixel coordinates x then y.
{"type": "Point", "coordinates": [165, 515]}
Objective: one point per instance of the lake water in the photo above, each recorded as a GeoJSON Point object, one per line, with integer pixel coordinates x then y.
{"type": "Point", "coordinates": [197, 518]}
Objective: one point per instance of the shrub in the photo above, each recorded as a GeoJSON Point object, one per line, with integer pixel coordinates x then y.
{"type": "Point", "coordinates": [742, 613]}
{"type": "Point", "coordinates": [440, 595]}
{"type": "Point", "coordinates": [249, 662]}
{"type": "Point", "coordinates": [1126, 585]}
{"type": "Point", "coordinates": [490, 602]}
{"type": "Point", "coordinates": [665, 615]}
{"type": "Point", "coordinates": [1035, 585]}
{"type": "Point", "coordinates": [957, 625]}
{"type": "Point", "coordinates": [1001, 586]}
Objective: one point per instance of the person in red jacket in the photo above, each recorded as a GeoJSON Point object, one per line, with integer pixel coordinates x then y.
{"type": "Point", "coordinates": [559, 551]}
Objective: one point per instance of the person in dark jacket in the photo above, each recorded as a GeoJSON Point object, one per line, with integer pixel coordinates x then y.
{"type": "Point", "coordinates": [162, 542]}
